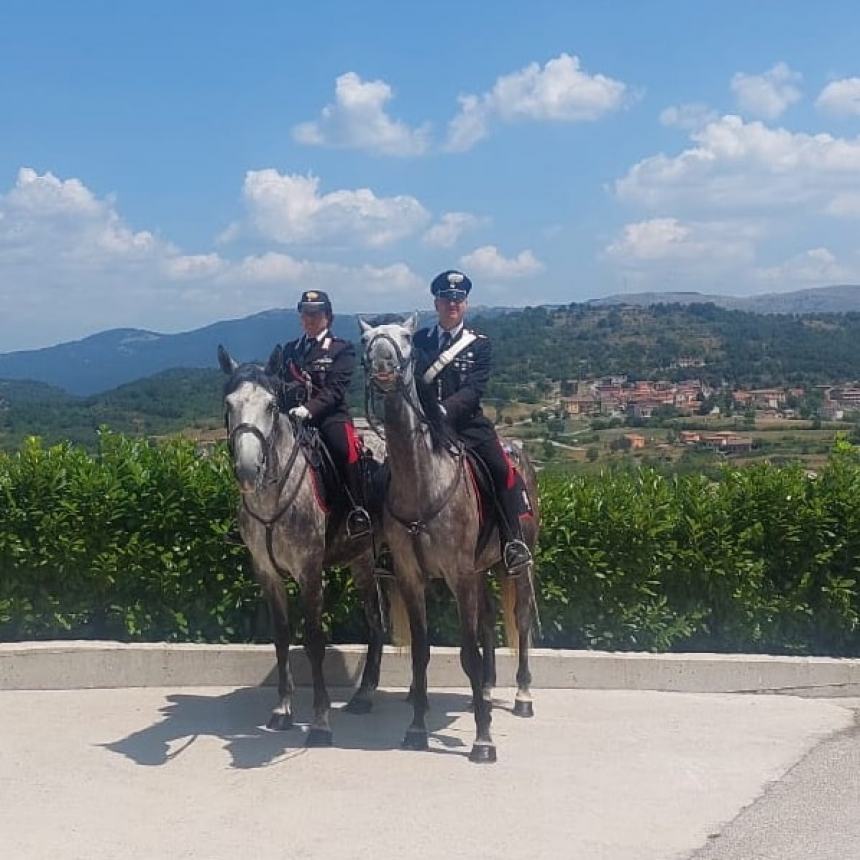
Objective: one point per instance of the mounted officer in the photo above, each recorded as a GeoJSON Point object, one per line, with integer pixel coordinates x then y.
{"type": "Point", "coordinates": [319, 365]}
{"type": "Point", "coordinates": [457, 363]}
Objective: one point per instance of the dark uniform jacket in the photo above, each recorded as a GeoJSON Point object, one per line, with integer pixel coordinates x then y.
{"type": "Point", "coordinates": [328, 367]}
{"type": "Point", "coordinates": [460, 386]}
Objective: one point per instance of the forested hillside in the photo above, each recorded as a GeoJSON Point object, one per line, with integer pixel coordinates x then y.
{"type": "Point", "coordinates": [538, 345]}
{"type": "Point", "coordinates": [165, 403]}
{"type": "Point", "coordinates": [533, 348]}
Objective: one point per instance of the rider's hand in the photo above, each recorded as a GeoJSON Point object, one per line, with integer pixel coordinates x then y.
{"type": "Point", "coordinates": [300, 413]}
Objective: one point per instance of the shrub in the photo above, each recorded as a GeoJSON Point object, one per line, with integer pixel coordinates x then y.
{"type": "Point", "coordinates": [131, 543]}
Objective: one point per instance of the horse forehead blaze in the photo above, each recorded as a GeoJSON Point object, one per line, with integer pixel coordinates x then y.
{"type": "Point", "coordinates": [249, 395]}
{"type": "Point", "coordinates": [384, 341]}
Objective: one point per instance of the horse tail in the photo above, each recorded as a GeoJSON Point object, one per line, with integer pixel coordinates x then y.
{"type": "Point", "coordinates": [398, 617]}
{"type": "Point", "coordinates": [509, 612]}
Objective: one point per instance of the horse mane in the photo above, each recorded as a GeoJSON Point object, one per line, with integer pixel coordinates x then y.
{"type": "Point", "coordinates": [385, 319]}
{"type": "Point", "coordinates": [254, 373]}
{"type": "Point", "coordinates": [442, 435]}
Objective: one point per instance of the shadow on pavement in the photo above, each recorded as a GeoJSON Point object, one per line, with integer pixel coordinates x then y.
{"type": "Point", "coordinates": [238, 719]}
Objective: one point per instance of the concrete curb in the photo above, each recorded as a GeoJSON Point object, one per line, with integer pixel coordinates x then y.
{"type": "Point", "coordinates": [89, 665]}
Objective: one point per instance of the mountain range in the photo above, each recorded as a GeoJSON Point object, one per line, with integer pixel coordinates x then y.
{"type": "Point", "coordinates": [816, 300]}
{"type": "Point", "coordinates": [111, 358]}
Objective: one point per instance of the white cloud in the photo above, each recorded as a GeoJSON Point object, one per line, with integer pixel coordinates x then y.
{"type": "Point", "coordinates": [690, 116]}
{"type": "Point", "coordinates": [845, 205]}
{"type": "Point", "coordinates": [396, 281]}
{"type": "Point", "coordinates": [289, 209]}
{"type": "Point", "coordinates": [840, 98]}
{"type": "Point", "coordinates": [357, 120]}
{"type": "Point", "coordinates": [61, 225]}
{"type": "Point", "coordinates": [559, 91]}
{"type": "Point", "coordinates": [487, 262]}
{"type": "Point", "coordinates": [189, 267]}
{"type": "Point", "coordinates": [769, 94]}
{"type": "Point", "coordinates": [71, 265]}
{"type": "Point", "coordinates": [670, 240]}
{"type": "Point", "coordinates": [747, 166]}
{"type": "Point", "coordinates": [448, 229]}
{"type": "Point", "coordinates": [813, 268]}
{"type": "Point", "coordinates": [43, 218]}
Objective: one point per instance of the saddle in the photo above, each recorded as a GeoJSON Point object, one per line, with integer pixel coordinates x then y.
{"type": "Point", "coordinates": [490, 511]}
{"type": "Point", "coordinates": [329, 486]}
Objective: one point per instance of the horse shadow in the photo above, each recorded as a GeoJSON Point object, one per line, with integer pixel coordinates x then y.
{"type": "Point", "coordinates": [237, 719]}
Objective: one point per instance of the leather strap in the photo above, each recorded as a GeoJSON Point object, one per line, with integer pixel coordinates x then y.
{"type": "Point", "coordinates": [466, 339]}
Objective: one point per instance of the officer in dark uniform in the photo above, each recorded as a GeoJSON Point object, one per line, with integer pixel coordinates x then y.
{"type": "Point", "coordinates": [322, 364]}
{"type": "Point", "coordinates": [457, 363]}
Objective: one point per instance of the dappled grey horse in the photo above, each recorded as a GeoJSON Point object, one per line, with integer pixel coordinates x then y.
{"type": "Point", "coordinates": [431, 524]}
{"type": "Point", "coordinates": [289, 533]}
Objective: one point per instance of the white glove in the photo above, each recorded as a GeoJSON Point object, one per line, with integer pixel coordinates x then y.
{"type": "Point", "coordinates": [300, 413]}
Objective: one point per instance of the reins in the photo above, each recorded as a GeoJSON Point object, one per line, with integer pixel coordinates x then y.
{"type": "Point", "coordinates": [406, 369]}
{"type": "Point", "coordinates": [269, 523]}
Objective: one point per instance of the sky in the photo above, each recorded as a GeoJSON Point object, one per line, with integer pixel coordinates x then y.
{"type": "Point", "coordinates": [167, 165]}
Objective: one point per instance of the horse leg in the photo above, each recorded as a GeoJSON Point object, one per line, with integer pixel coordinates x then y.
{"type": "Point", "coordinates": [523, 705]}
{"type": "Point", "coordinates": [276, 597]}
{"type": "Point", "coordinates": [469, 606]}
{"type": "Point", "coordinates": [362, 700]}
{"type": "Point", "coordinates": [488, 637]}
{"type": "Point", "coordinates": [320, 734]}
{"type": "Point", "coordinates": [412, 592]}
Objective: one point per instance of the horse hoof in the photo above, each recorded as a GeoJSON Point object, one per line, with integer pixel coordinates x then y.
{"type": "Point", "coordinates": [523, 708]}
{"type": "Point", "coordinates": [416, 739]}
{"type": "Point", "coordinates": [319, 738]}
{"type": "Point", "coordinates": [280, 722]}
{"type": "Point", "coordinates": [483, 754]}
{"type": "Point", "coordinates": [358, 706]}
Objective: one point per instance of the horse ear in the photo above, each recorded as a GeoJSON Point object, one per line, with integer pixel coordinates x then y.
{"type": "Point", "coordinates": [228, 365]}
{"type": "Point", "coordinates": [276, 360]}
{"type": "Point", "coordinates": [411, 323]}
{"type": "Point", "coordinates": [364, 326]}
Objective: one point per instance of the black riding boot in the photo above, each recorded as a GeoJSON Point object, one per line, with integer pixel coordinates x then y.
{"type": "Point", "coordinates": [516, 556]}
{"type": "Point", "coordinates": [358, 519]}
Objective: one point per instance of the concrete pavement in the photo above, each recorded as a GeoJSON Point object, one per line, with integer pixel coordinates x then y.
{"type": "Point", "coordinates": [597, 774]}
{"type": "Point", "coordinates": [91, 664]}
{"type": "Point", "coordinates": [813, 813]}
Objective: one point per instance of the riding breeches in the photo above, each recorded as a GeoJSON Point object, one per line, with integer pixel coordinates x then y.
{"type": "Point", "coordinates": [507, 482]}
{"type": "Point", "coordinates": [345, 448]}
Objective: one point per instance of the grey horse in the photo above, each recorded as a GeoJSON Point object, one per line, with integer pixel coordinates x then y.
{"type": "Point", "coordinates": [432, 525]}
{"type": "Point", "coordinates": [289, 533]}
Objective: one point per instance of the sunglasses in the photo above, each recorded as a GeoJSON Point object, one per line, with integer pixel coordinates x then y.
{"type": "Point", "coordinates": [457, 296]}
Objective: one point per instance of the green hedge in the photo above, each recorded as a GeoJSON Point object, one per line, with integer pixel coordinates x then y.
{"type": "Point", "coordinates": [132, 544]}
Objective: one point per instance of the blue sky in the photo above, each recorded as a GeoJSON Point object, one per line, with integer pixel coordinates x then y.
{"type": "Point", "coordinates": [166, 165]}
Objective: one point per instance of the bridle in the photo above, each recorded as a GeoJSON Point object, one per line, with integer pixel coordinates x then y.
{"type": "Point", "coordinates": [271, 464]}
{"type": "Point", "coordinates": [405, 374]}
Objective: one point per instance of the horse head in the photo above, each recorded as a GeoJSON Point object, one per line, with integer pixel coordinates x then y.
{"type": "Point", "coordinates": [388, 355]}
{"type": "Point", "coordinates": [251, 415]}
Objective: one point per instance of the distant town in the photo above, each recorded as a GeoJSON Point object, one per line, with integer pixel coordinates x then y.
{"type": "Point", "coordinates": [665, 419]}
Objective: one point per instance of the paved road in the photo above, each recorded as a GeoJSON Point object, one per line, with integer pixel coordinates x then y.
{"type": "Point", "coordinates": [597, 775]}
{"type": "Point", "coordinates": [813, 813]}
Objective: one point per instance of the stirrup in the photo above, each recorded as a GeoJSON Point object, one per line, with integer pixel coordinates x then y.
{"type": "Point", "coordinates": [357, 523]}
{"type": "Point", "coordinates": [516, 557]}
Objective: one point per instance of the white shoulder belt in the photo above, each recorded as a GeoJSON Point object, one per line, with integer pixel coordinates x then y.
{"type": "Point", "coordinates": [465, 339]}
